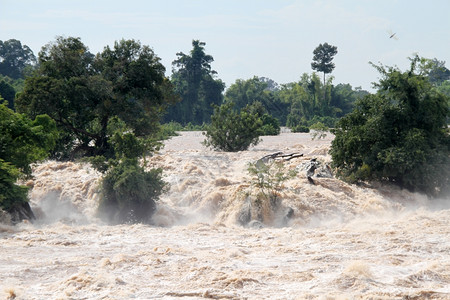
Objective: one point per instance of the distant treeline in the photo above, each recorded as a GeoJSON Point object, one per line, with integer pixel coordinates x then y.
{"type": "Point", "coordinates": [197, 86]}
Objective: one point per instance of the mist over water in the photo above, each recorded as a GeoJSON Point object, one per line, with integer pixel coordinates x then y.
{"type": "Point", "coordinates": [340, 241]}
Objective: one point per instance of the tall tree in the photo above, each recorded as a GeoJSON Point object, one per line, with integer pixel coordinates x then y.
{"type": "Point", "coordinates": [323, 59]}
{"type": "Point", "coordinates": [195, 83]}
{"type": "Point", "coordinates": [397, 135]}
{"type": "Point", "coordinates": [84, 93]}
{"type": "Point", "coordinates": [107, 107]}
{"type": "Point", "coordinates": [14, 58]}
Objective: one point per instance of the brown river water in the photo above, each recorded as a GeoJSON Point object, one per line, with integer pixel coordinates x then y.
{"type": "Point", "coordinates": [341, 241]}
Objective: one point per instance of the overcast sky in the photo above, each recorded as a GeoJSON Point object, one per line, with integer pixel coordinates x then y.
{"type": "Point", "coordinates": [265, 38]}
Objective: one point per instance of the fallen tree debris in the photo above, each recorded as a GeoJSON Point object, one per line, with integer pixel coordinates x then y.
{"type": "Point", "coordinates": [280, 155]}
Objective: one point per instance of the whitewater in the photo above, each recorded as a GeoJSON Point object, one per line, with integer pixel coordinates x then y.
{"type": "Point", "coordinates": [338, 241]}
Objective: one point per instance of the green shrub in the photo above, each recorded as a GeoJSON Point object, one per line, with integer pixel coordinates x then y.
{"type": "Point", "coordinates": [232, 131]}
{"type": "Point", "coordinates": [129, 193]}
{"type": "Point", "coordinates": [11, 194]}
{"type": "Point", "coordinates": [271, 125]}
{"type": "Point", "coordinates": [170, 129]}
{"type": "Point", "coordinates": [297, 124]}
{"type": "Point", "coordinates": [318, 130]}
{"type": "Point", "coordinates": [300, 128]}
{"type": "Point", "coordinates": [268, 178]}
{"type": "Point", "coordinates": [327, 121]}
{"type": "Point", "coordinates": [397, 135]}
{"type": "Point", "coordinates": [22, 142]}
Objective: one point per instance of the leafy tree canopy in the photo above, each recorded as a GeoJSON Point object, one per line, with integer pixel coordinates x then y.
{"type": "Point", "coordinates": [257, 89]}
{"type": "Point", "coordinates": [435, 70]}
{"type": "Point", "coordinates": [398, 134]}
{"type": "Point", "coordinates": [306, 106]}
{"type": "Point", "coordinates": [323, 59]}
{"type": "Point", "coordinates": [233, 131]}
{"type": "Point", "coordinates": [107, 107]}
{"type": "Point", "coordinates": [15, 58]}
{"type": "Point", "coordinates": [22, 142]}
{"type": "Point", "coordinates": [194, 82]}
{"type": "Point", "coordinates": [270, 125]}
{"type": "Point", "coordinates": [245, 92]}
{"type": "Point", "coordinates": [84, 93]}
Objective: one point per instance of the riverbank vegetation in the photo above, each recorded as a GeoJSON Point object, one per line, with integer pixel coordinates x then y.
{"type": "Point", "coordinates": [113, 109]}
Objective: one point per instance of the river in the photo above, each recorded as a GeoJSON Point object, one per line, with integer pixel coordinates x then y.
{"type": "Point", "coordinates": [340, 241]}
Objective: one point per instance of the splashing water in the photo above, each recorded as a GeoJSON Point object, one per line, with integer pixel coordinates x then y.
{"type": "Point", "coordinates": [338, 241]}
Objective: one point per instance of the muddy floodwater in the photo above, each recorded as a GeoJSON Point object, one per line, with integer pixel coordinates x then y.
{"type": "Point", "coordinates": [324, 239]}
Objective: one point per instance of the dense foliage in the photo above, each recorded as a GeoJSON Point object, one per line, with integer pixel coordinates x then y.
{"type": "Point", "coordinates": [435, 70]}
{"type": "Point", "coordinates": [308, 105]}
{"type": "Point", "coordinates": [83, 93]}
{"type": "Point", "coordinates": [258, 89]}
{"type": "Point", "coordinates": [268, 178]}
{"type": "Point", "coordinates": [397, 135]}
{"type": "Point", "coordinates": [22, 142]}
{"type": "Point", "coordinates": [107, 107]}
{"type": "Point", "coordinates": [231, 130]}
{"type": "Point", "coordinates": [15, 58]}
{"type": "Point", "coordinates": [129, 193]}
{"type": "Point", "coordinates": [16, 61]}
{"type": "Point", "coordinates": [296, 105]}
{"type": "Point", "coordinates": [194, 82]}
{"type": "Point", "coordinates": [270, 125]}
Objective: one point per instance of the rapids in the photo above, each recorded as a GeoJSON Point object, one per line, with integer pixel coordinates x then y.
{"type": "Point", "coordinates": [341, 242]}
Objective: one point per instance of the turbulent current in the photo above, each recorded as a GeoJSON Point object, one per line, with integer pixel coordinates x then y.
{"type": "Point", "coordinates": [325, 240]}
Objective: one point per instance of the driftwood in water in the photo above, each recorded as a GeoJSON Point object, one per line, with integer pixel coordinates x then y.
{"type": "Point", "coordinates": [280, 155]}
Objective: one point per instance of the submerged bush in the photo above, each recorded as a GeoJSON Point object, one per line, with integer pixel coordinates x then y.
{"type": "Point", "coordinates": [268, 178]}
{"type": "Point", "coordinates": [129, 193]}
{"type": "Point", "coordinates": [191, 127]}
{"type": "Point", "coordinates": [300, 128]}
{"type": "Point", "coordinates": [170, 129]}
{"type": "Point", "coordinates": [318, 130]}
